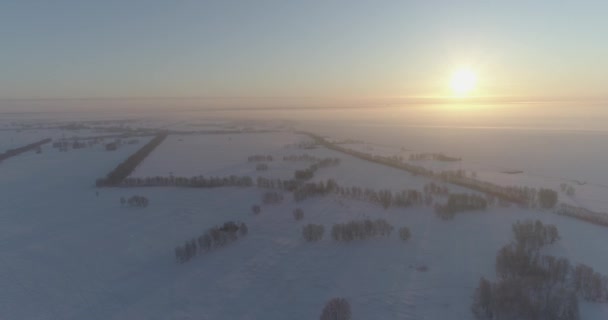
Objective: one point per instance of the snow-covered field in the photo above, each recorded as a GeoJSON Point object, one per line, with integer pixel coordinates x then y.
{"type": "Point", "coordinates": [68, 253]}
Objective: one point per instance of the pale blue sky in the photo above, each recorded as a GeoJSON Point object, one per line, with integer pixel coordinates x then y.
{"type": "Point", "coordinates": [339, 49]}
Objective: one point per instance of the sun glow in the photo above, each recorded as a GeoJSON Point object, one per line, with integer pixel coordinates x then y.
{"type": "Point", "coordinates": [463, 82]}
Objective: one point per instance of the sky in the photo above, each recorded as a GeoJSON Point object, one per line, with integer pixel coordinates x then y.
{"type": "Point", "coordinates": [311, 51]}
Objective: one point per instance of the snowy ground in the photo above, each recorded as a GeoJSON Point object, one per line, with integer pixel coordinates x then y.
{"type": "Point", "coordinates": [70, 254]}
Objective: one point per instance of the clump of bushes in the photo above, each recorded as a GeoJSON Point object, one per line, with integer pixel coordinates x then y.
{"type": "Point", "coordinates": [313, 232]}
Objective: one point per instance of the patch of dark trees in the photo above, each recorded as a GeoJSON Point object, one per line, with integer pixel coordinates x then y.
{"type": "Point", "coordinates": [272, 198]}
{"type": "Point", "coordinates": [17, 151]}
{"type": "Point", "coordinates": [313, 232]}
{"type": "Point", "coordinates": [598, 218]}
{"type": "Point", "coordinates": [308, 173]}
{"type": "Point", "coordinates": [460, 202]}
{"type": "Point", "coordinates": [433, 156]}
{"type": "Point", "coordinates": [535, 286]}
{"type": "Point", "coordinates": [260, 158]}
{"type": "Point", "coordinates": [361, 230]}
{"type": "Point", "coordinates": [520, 195]}
{"type": "Point", "coordinates": [124, 169]}
{"type": "Point", "coordinates": [212, 239]}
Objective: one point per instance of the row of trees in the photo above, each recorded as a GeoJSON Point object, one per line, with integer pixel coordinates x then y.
{"type": "Point", "coordinates": [192, 182]}
{"type": "Point", "coordinates": [13, 152]}
{"type": "Point", "coordinates": [525, 196]}
{"type": "Point", "coordinates": [302, 157]}
{"type": "Point", "coordinates": [432, 156]}
{"type": "Point", "coordinates": [213, 238]}
{"type": "Point", "coordinates": [259, 158]}
{"type": "Point", "coordinates": [599, 218]}
{"type": "Point", "coordinates": [361, 230]}
{"type": "Point", "coordinates": [386, 198]}
{"type": "Point", "coordinates": [124, 169]}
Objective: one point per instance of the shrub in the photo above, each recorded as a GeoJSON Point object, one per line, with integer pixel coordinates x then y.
{"type": "Point", "coordinates": [256, 209]}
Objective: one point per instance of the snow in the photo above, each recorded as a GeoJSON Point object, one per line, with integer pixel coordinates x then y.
{"type": "Point", "coordinates": [69, 254]}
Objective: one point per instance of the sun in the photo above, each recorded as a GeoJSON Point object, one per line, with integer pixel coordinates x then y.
{"type": "Point", "coordinates": [463, 82]}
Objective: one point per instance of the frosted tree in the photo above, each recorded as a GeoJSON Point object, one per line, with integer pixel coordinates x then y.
{"type": "Point", "coordinates": [336, 309]}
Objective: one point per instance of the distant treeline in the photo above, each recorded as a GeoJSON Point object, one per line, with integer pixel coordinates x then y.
{"type": "Point", "coordinates": [432, 156]}
{"type": "Point", "coordinates": [259, 158]}
{"type": "Point", "coordinates": [520, 195]}
{"type": "Point", "coordinates": [13, 152]}
{"type": "Point", "coordinates": [124, 169]}
{"type": "Point", "coordinates": [303, 157]}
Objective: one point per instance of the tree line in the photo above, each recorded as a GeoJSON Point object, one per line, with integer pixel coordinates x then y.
{"type": "Point", "coordinates": [521, 195]}
{"type": "Point", "coordinates": [260, 158]}
{"type": "Point", "coordinates": [213, 238]}
{"type": "Point", "coordinates": [16, 151]}
{"type": "Point", "coordinates": [361, 230]}
{"type": "Point", "coordinates": [124, 169]}
{"type": "Point", "coordinates": [432, 156]}
{"type": "Point", "coordinates": [599, 218]}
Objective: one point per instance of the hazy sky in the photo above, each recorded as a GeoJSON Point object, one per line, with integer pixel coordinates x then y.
{"type": "Point", "coordinates": [300, 49]}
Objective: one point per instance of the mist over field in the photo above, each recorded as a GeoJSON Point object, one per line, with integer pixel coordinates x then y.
{"type": "Point", "coordinates": [303, 160]}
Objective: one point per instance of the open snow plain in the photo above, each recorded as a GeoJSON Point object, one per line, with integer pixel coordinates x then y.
{"type": "Point", "coordinates": [72, 251]}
